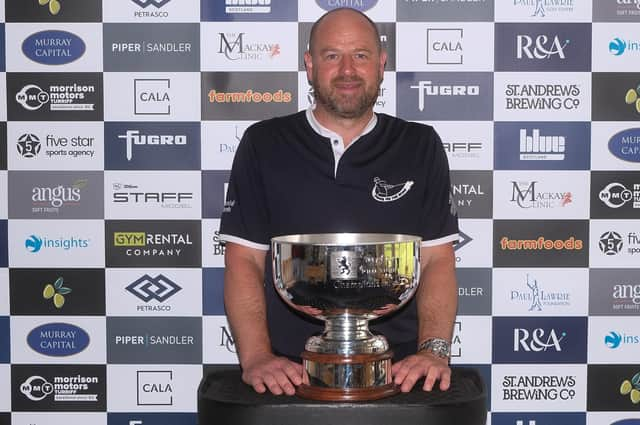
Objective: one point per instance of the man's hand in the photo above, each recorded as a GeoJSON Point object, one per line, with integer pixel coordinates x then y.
{"type": "Point", "coordinates": [409, 370]}
{"type": "Point", "coordinates": [268, 371]}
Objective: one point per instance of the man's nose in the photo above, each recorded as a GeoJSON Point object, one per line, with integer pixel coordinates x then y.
{"type": "Point", "coordinates": [346, 65]}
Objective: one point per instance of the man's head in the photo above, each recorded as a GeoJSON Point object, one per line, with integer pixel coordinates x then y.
{"type": "Point", "coordinates": [345, 63]}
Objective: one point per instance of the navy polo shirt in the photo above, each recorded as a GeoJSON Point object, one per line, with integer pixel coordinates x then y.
{"type": "Point", "coordinates": [287, 179]}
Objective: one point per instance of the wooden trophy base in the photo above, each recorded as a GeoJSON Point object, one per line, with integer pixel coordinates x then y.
{"type": "Point", "coordinates": [357, 377]}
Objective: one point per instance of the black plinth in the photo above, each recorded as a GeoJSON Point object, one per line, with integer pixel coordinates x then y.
{"type": "Point", "coordinates": [223, 399]}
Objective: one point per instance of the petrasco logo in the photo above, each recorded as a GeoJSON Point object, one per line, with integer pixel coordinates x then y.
{"type": "Point", "coordinates": [157, 3]}
{"type": "Point", "coordinates": [35, 243]}
{"type": "Point", "coordinates": [148, 288]}
{"type": "Point", "coordinates": [625, 145]}
{"type": "Point", "coordinates": [53, 47]}
{"type": "Point", "coordinates": [58, 339]}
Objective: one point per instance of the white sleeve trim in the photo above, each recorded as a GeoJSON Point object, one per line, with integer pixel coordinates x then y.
{"type": "Point", "coordinates": [433, 242]}
{"type": "Point", "coordinates": [243, 242]}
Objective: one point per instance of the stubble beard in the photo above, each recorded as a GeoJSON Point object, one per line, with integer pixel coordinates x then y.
{"type": "Point", "coordinates": [343, 106]}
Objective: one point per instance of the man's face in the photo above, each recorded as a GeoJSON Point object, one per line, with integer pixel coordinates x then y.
{"type": "Point", "coordinates": [345, 67]}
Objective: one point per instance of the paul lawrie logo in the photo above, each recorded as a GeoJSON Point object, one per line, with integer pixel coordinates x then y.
{"type": "Point", "coordinates": [386, 192]}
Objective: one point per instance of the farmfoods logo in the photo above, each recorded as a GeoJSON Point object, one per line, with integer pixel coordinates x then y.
{"type": "Point", "coordinates": [70, 97]}
{"type": "Point", "coordinates": [35, 243]}
{"type": "Point", "coordinates": [62, 388]}
{"type": "Point", "coordinates": [541, 244]}
{"type": "Point", "coordinates": [250, 96]}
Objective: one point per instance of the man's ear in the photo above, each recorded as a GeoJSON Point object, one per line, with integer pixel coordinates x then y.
{"type": "Point", "coordinates": [308, 65]}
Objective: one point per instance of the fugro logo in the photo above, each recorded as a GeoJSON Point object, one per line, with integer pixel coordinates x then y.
{"type": "Point", "coordinates": [53, 47]}
{"type": "Point", "coordinates": [132, 137]}
{"type": "Point", "coordinates": [361, 5]}
{"type": "Point", "coordinates": [58, 339]}
{"type": "Point", "coordinates": [625, 145]}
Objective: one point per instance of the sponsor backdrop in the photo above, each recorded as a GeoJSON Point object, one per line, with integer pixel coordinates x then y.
{"type": "Point", "coordinates": [119, 120]}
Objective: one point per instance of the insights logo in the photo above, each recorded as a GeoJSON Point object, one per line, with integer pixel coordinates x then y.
{"type": "Point", "coordinates": [35, 243]}
{"type": "Point", "coordinates": [614, 340]}
{"type": "Point", "coordinates": [618, 46]}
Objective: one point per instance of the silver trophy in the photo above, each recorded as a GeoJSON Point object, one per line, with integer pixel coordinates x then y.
{"type": "Point", "coordinates": [346, 279]}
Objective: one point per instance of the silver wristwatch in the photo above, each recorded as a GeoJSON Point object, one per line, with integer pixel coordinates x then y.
{"type": "Point", "coordinates": [437, 346]}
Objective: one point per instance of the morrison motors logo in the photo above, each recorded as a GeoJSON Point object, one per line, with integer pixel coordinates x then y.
{"type": "Point", "coordinates": [615, 339]}
{"type": "Point", "coordinates": [36, 243]}
{"type": "Point", "coordinates": [53, 47]}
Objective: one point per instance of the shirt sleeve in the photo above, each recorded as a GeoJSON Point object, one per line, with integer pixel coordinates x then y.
{"type": "Point", "coordinates": [439, 218]}
{"type": "Point", "coordinates": [245, 216]}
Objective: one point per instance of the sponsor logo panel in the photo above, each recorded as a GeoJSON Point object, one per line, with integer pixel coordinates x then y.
{"type": "Point", "coordinates": [161, 388]}
{"type": "Point", "coordinates": [472, 193]}
{"type": "Point", "coordinates": [4, 291]}
{"type": "Point", "coordinates": [157, 292]}
{"type": "Point", "coordinates": [154, 340]}
{"type": "Point", "coordinates": [474, 291]}
{"type": "Point", "coordinates": [56, 194]}
{"type": "Point", "coordinates": [445, 46]}
{"type": "Point", "coordinates": [64, 388]}
{"type": "Point", "coordinates": [614, 292]}
{"type": "Point", "coordinates": [57, 292]}
{"type": "Point", "coordinates": [611, 418]}
{"type": "Point", "coordinates": [148, 194]}
{"type": "Point", "coordinates": [538, 418]}
{"type": "Point", "coordinates": [151, 11]}
{"type": "Point", "coordinates": [58, 340]}
{"type": "Point", "coordinates": [4, 207]}
{"type": "Point", "coordinates": [152, 96]}
{"type": "Point", "coordinates": [539, 388]}
{"type": "Point", "coordinates": [468, 345]}
{"type": "Point", "coordinates": [213, 199]}
{"type": "Point", "coordinates": [153, 243]}
{"type": "Point", "coordinates": [540, 292]}
{"type": "Point", "coordinates": [623, 148]}
{"type": "Point", "coordinates": [212, 291]}
{"type": "Point", "coordinates": [57, 418]}
{"type": "Point", "coordinates": [248, 10]}
{"type": "Point", "coordinates": [5, 340]}
{"type": "Point", "coordinates": [468, 146]}
{"type": "Point", "coordinates": [542, 145]}
{"type": "Point", "coordinates": [541, 243]}
{"type": "Point", "coordinates": [4, 246]}
{"type": "Point", "coordinates": [614, 243]}
{"type": "Point", "coordinates": [542, 11]}
{"type": "Point", "coordinates": [613, 388]}
{"type": "Point", "coordinates": [5, 389]}
{"type": "Point", "coordinates": [616, 47]}
{"type": "Point", "coordinates": [212, 249]}
{"type": "Point", "coordinates": [3, 145]}
{"type": "Point", "coordinates": [543, 47]}
{"type": "Point", "coordinates": [152, 146]}
{"type": "Point", "coordinates": [219, 346]}
{"type": "Point", "coordinates": [615, 194]}
{"type": "Point", "coordinates": [54, 96]}
{"type": "Point", "coordinates": [528, 96]}
{"type": "Point", "coordinates": [616, 11]}
{"type": "Point", "coordinates": [258, 47]}
{"type": "Point", "coordinates": [540, 340]}
{"type": "Point", "coordinates": [220, 142]}
{"type": "Point", "coordinates": [544, 194]}
{"type": "Point", "coordinates": [385, 103]}
{"type": "Point", "coordinates": [248, 95]}
{"type": "Point", "coordinates": [38, 47]}
{"type": "Point", "coordinates": [3, 48]}
{"type": "Point", "coordinates": [613, 341]}
{"type": "Point", "coordinates": [56, 243]}
{"type": "Point", "coordinates": [444, 10]}
{"type": "Point", "coordinates": [149, 47]}
{"type": "Point", "coordinates": [68, 146]}
{"type": "Point", "coordinates": [616, 96]}
{"type": "Point", "coordinates": [445, 96]}
{"type": "Point", "coordinates": [377, 10]}
{"type": "Point", "coordinates": [5, 418]}
{"type": "Point", "coordinates": [54, 11]}
{"type": "Point", "coordinates": [474, 243]}
{"type": "Point", "coordinates": [151, 418]}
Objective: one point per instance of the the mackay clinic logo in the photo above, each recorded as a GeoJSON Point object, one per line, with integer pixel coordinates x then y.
{"type": "Point", "coordinates": [527, 195]}
{"type": "Point", "coordinates": [241, 47]}
{"type": "Point", "coordinates": [152, 96]}
{"type": "Point", "coordinates": [154, 387]}
{"type": "Point", "coordinates": [226, 340]}
{"type": "Point", "coordinates": [53, 47]}
{"type": "Point", "coordinates": [36, 244]}
{"type": "Point", "coordinates": [445, 46]}
{"type": "Point", "coordinates": [532, 295]}
{"type": "Point", "coordinates": [153, 291]}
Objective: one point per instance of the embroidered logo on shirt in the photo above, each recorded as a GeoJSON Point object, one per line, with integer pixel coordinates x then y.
{"type": "Point", "coordinates": [385, 192]}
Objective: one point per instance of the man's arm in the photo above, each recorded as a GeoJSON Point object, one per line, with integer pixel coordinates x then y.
{"type": "Point", "coordinates": [437, 305]}
{"type": "Point", "coordinates": [246, 310]}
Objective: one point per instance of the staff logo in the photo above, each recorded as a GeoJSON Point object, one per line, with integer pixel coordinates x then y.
{"type": "Point", "coordinates": [385, 192]}
{"type": "Point", "coordinates": [610, 243]}
{"type": "Point", "coordinates": [28, 145]}
{"type": "Point", "coordinates": [148, 288]}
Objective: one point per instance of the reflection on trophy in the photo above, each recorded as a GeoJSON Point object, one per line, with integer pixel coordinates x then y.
{"type": "Point", "coordinates": [346, 279]}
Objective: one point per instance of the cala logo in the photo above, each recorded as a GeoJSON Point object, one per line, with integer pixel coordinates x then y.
{"type": "Point", "coordinates": [58, 339]}
{"type": "Point", "coordinates": [626, 145]}
{"type": "Point", "coordinates": [361, 5]}
{"type": "Point", "coordinates": [53, 47]}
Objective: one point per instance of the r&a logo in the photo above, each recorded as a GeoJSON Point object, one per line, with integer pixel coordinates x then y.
{"type": "Point", "coordinates": [543, 48]}
{"type": "Point", "coordinates": [536, 340]}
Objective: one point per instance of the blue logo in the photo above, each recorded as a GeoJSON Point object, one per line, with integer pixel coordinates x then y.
{"type": "Point", "coordinates": [538, 418]}
{"type": "Point", "coordinates": [626, 145]}
{"type": "Point", "coordinates": [617, 47]}
{"type": "Point", "coordinates": [33, 243]}
{"type": "Point", "coordinates": [248, 10]}
{"type": "Point", "coordinates": [612, 340]}
{"type": "Point", "coordinates": [361, 5]}
{"type": "Point", "coordinates": [58, 339]}
{"type": "Point", "coordinates": [53, 47]}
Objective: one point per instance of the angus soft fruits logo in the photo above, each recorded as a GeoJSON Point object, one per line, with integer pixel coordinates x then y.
{"type": "Point", "coordinates": [633, 98]}
{"type": "Point", "coordinates": [56, 291]}
{"type": "Point", "coordinates": [54, 5]}
{"type": "Point", "coordinates": [632, 388]}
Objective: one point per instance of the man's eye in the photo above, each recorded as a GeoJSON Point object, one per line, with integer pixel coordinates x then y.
{"type": "Point", "coordinates": [331, 56]}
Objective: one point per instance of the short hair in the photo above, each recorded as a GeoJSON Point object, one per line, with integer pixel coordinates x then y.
{"type": "Point", "coordinates": [314, 27]}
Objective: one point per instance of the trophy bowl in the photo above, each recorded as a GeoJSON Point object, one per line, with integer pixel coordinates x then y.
{"type": "Point", "coordinates": [346, 279]}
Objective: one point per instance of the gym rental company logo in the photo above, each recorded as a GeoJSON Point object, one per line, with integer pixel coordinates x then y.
{"type": "Point", "coordinates": [58, 339]}
{"type": "Point", "coordinates": [53, 47]}
{"type": "Point", "coordinates": [158, 289]}
{"type": "Point", "coordinates": [525, 195]}
{"type": "Point", "coordinates": [533, 295]}
{"type": "Point", "coordinates": [471, 193]}
{"type": "Point", "coordinates": [625, 145]}
{"type": "Point", "coordinates": [444, 46]}
{"type": "Point", "coordinates": [35, 244]}
{"type": "Point", "coordinates": [152, 96]}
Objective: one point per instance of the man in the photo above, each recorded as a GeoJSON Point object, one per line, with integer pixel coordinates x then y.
{"type": "Point", "coordinates": [338, 168]}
